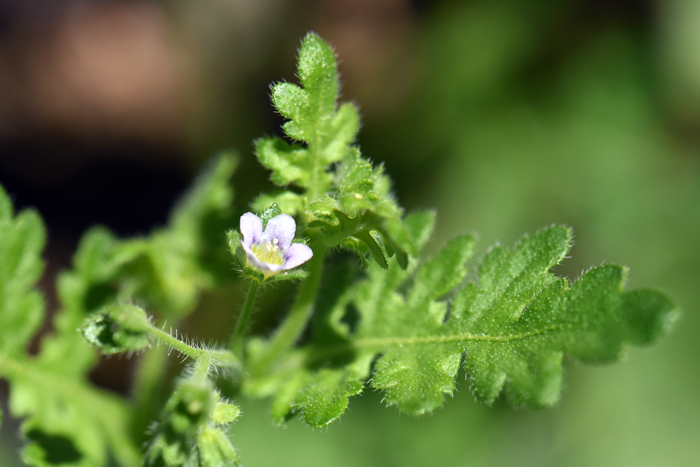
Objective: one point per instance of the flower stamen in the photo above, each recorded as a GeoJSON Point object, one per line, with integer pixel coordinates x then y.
{"type": "Point", "coordinates": [269, 252]}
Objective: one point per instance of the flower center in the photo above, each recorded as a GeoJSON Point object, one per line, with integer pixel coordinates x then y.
{"type": "Point", "coordinates": [269, 252]}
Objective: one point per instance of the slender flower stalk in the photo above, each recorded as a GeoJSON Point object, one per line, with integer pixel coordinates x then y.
{"type": "Point", "coordinates": [293, 326]}
{"type": "Point", "coordinates": [236, 343]}
{"type": "Point", "coordinates": [271, 252]}
{"type": "Point", "coordinates": [217, 357]}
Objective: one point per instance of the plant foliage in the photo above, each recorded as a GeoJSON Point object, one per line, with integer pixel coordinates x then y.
{"type": "Point", "coordinates": [403, 324]}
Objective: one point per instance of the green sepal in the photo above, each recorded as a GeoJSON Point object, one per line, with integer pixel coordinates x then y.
{"type": "Point", "coordinates": [233, 240]}
{"type": "Point", "coordinates": [186, 411]}
{"type": "Point", "coordinates": [225, 413]}
{"type": "Point", "coordinates": [297, 274]}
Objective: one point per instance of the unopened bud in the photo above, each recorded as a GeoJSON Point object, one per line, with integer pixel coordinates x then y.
{"type": "Point", "coordinates": [118, 328]}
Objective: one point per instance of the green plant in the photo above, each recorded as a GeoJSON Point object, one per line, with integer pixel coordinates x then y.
{"type": "Point", "coordinates": [401, 323]}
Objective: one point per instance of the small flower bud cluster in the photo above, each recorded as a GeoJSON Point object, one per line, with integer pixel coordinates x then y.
{"type": "Point", "coordinates": [195, 416]}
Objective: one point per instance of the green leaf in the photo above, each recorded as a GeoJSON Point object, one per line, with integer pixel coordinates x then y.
{"type": "Point", "coordinates": [318, 73]}
{"type": "Point", "coordinates": [289, 163]}
{"type": "Point", "coordinates": [289, 202]}
{"type": "Point", "coordinates": [189, 255]}
{"type": "Point", "coordinates": [321, 394]}
{"type": "Point", "coordinates": [351, 201]}
{"type": "Point", "coordinates": [362, 216]}
{"type": "Point", "coordinates": [22, 240]}
{"type": "Point", "coordinates": [314, 119]}
{"type": "Point", "coordinates": [66, 421]}
{"type": "Point", "coordinates": [416, 381]}
{"type": "Point", "coordinates": [273, 210]}
{"type": "Point", "coordinates": [593, 320]}
{"type": "Point", "coordinates": [511, 328]}
{"type": "Point", "coordinates": [325, 396]}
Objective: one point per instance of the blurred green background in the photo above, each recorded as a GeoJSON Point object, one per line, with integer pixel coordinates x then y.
{"type": "Point", "coordinates": [504, 115]}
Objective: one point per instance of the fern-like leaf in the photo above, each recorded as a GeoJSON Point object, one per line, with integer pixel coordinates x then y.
{"type": "Point", "coordinates": [350, 202]}
{"type": "Point", "coordinates": [67, 422]}
{"type": "Point", "coordinates": [510, 328]}
{"type": "Point", "coordinates": [314, 119]}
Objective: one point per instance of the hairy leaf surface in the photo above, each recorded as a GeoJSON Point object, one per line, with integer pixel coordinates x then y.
{"type": "Point", "coordinates": [67, 421]}
{"type": "Point", "coordinates": [314, 119]}
{"type": "Point", "coordinates": [510, 328]}
{"type": "Point", "coordinates": [350, 202]}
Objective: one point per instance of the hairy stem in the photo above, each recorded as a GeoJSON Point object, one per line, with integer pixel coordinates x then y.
{"type": "Point", "coordinates": [218, 357]}
{"type": "Point", "coordinates": [236, 343]}
{"type": "Point", "coordinates": [317, 188]}
{"type": "Point", "coordinates": [202, 366]}
{"type": "Point", "coordinates": [302, 309]}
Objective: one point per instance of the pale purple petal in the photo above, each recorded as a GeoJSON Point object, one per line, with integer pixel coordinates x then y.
{"type": "Point", "coordinates": [297, 254]}
{"type": "Point", "coordinates": [251, 228]}
{"type": "Point", "coordinates": [282, 228]}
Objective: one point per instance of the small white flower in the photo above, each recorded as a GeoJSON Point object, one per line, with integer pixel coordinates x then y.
{"type": "Point", "coordinates": [272, 251]}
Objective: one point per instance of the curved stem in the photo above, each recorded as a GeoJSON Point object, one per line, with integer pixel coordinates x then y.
{"type": "Point", "coordinates": [292, 328]}
{"type": "Point", "coordinates": [218, 357]}
{"type": "Point", "coordinates": [236, 342]}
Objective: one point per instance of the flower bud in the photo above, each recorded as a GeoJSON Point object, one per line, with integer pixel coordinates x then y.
{"type": "Point", "coordinates": [118, 328]}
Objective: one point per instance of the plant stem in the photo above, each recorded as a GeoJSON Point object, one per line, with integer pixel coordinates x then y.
{"type": "Point", "coordinates": [148, 391]}
{"type": "Point", "coordinates": [236, 343]}
{"type": "Point", "coordinates": [302, 309]}
{"type": "Point", "coordinates": [218, 357]}
{"type": "Point", "coordinates": [201, 366]}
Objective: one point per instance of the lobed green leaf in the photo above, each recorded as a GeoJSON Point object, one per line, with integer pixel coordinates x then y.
{"type": "Point", "coordinates": [510, 328]}
{"type": "Point", "coordinates": [22, 240]}
{"type": "Point", "coordinates": [67, 421]}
